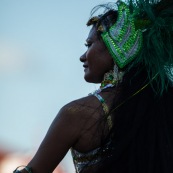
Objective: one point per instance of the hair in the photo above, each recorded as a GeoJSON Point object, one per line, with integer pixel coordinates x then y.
{"type": "Point", "coordinates": [106, 19]}
{"type": "Point", "coordinates": [142, 139]}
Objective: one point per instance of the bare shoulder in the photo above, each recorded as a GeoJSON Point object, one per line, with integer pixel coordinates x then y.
{"type": "Point", "coordinates": [80, 112]}
{"type": "Point", "coordinates": [66, 130]}
{"type": "Point", "coordinates": [82, 107]}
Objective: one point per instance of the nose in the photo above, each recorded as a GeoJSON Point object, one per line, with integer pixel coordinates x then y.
{"type": "Point", "coordinates": [83, 58]}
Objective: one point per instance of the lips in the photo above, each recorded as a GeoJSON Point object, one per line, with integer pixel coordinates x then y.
{"type": "Point", "coordinates": [85, 66]}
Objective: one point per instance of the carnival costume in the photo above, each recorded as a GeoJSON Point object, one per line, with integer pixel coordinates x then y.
{"type": "Point", "coordinates": [141, 46]}
{"type": "Point", "coordinates": [140, 42]}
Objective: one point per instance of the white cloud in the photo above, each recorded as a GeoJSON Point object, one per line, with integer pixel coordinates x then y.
{"type": "Point", "coordinates": [12, 57]}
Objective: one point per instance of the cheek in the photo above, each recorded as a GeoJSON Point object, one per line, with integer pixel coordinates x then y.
{"type": "Point", "coordinates": [99, 62]}
{"type": "Point", "coordinates": [93, 73]}
{"type": "Point", "coordinates": [91, 57]}
{"type": "Point", "coordinates": [105, 61]}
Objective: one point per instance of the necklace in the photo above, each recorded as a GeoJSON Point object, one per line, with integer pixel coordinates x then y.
{"type": "Point", "coordinates": [110, 79]}
{"type": "Point", "coordinates": [101, 89]}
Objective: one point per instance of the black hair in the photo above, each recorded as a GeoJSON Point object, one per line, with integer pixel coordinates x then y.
{"type": "Point", "coordinates": [142, 133]}
{"type": "Point", "coordinates": [106, 19]}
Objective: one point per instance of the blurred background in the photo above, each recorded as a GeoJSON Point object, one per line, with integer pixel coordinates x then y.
{"type": "Point", "coordinates": [40, 45]}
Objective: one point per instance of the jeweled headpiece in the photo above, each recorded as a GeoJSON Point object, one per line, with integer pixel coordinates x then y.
{"type": "Point", "coordinates": [122, 40]}
{"type": "Point", "coordinates": [141, 21]}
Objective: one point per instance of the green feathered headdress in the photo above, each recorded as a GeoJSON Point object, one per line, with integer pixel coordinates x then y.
{"type": "Point", "coordinates": [151, 20]}
{"type": "Point", "coordinates": [156, 20]}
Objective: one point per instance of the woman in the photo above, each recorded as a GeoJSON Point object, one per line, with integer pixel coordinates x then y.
{"type": "Point", "coordinates": [125, 126]}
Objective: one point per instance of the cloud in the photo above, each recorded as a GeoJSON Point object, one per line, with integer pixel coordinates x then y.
{"type": "Point", "coordinates": [12, 57]}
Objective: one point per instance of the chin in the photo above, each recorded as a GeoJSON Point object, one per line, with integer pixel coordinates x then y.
{"type": "Point", "coordinates": [92, 79]}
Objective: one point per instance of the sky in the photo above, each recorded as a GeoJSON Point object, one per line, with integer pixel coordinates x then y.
{"type": "Point", "coordinates": [40, 45]}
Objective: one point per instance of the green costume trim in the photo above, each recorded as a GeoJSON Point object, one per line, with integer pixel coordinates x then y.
{"type": "Point", "coordinates": [122, 40]}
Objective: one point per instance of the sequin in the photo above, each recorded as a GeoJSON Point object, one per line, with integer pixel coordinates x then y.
{"type": "Point", "coordinates": [82, 160]}
{"type": "Point", "coordinates": [122, 40]}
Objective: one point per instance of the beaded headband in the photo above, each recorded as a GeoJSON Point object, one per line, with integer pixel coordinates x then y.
{"type": "Point", "coordinates": [122, 40]}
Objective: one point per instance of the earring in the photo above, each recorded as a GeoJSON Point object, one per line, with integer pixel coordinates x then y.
{"type": "Point", "coordinates": [113, 77]}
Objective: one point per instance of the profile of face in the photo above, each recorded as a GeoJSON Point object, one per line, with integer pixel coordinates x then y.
{"type": "Point", "coordinates": [96, 60]}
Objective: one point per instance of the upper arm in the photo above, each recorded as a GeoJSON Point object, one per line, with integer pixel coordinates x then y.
{"type": "Point", "coordinates": [62, 134]}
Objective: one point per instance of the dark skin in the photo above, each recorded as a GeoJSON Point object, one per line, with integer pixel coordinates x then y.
{"type": "Point", "coordinates": [97, 60]}
{"type": "Point", "coordinates": [76, 123]}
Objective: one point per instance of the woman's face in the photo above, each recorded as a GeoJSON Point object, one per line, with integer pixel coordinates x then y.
{"type": "Point", "coordinates": [96, 60]}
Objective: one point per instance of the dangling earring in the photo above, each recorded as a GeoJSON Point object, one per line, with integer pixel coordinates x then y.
{"type": "Point", "coordinates": [113, 77]}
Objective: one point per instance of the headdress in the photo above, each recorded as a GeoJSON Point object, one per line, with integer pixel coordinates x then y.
{"type": "Point", "coordinates": [142, 35]}
{"type": "Point", "coordinates": [122, 40]}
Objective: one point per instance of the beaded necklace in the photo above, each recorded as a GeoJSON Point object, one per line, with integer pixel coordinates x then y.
{"type": "Point", "coordinates": [101, 89]}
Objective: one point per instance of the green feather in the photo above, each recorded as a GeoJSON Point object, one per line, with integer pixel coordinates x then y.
{"type": "Point", "coordinates": [157, 52]}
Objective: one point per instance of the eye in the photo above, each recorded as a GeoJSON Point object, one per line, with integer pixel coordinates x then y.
{"type": "Point", "coordinates": [88, 44]}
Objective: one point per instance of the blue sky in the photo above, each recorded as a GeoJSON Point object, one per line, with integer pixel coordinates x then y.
{"type": "Point", "coordinates": [40, 45]}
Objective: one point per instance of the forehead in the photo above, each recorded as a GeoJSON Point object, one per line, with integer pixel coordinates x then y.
{"type": "Point", "coordinates": [92, 34]}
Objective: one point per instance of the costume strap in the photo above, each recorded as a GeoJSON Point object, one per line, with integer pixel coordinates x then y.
{"type": "Point", "coordinates": [104, 105]}
{"type": "Point", "coordinates": [105, 109]}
